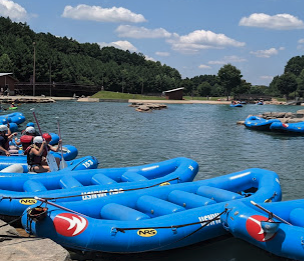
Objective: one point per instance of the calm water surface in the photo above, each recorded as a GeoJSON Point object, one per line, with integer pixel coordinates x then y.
{"type": "Point", "coordinates": [119, 136]}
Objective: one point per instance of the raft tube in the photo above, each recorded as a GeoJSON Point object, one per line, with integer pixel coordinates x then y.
{"type": "Point", "coordinates": [278, 229]}
{"type": "Point", "coordinates": [291, 128]}
{"type": "Point", "coordinates": [69, 153]}
{"type": "Point", "coordinates": [153, 219]}
{"type": "Point", "coordinates": [16, 117]}
{"type": "Point", "coordinates": [85, 185]}
{"type": "Point", "coordinates": [258, 123]}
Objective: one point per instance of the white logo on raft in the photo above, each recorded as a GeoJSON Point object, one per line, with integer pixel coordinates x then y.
{"type": "Point", "coordinates": [210, 217]}
{"type": "Point", "coordinates": [88, 163]}
{"type": "Point", "coordinates": [100, 193]}
{"type": "Point", "coordinates": [70, 225]}
{"type": "Point", "coordinates": [191, 168]}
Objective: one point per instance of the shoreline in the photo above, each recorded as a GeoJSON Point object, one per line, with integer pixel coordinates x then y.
{"type": "Point", "coordinates": [49, 99]}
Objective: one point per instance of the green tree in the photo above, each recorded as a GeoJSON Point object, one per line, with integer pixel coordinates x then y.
{"type": "Point", "coordinates": [287, 83]}
{"type": "Point", "coordinates": [230, 77]}
{"type": "Point", "coordinates": [300, 81]}
{"type": "Point", "coordinates": [204, 89]}
{"type": "Point", "coordinates": [6, 65]}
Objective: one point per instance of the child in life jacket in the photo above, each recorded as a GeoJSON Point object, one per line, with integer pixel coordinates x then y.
{"type": "Point", "coordinates": [36, 154]}
{"type": "Point", "coordinates": [5, 137]}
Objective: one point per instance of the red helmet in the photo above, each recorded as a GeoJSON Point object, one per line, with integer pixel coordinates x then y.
{"type": "Point", "coordinates": [47, 137]}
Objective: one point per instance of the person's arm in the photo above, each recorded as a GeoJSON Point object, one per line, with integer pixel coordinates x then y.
{"type": "Point", "coordinates": [55, 149]}
{"type": "Point", "coordinates": [40, 150]}
{"type": "Point", "coordinates": [8, 129]}
{"type": "Point", "coordinates": [10, 137]}
{"type": "Point", "coordinates": [17, 142]}
{"type": "Point", "coordinates": [5, 151]}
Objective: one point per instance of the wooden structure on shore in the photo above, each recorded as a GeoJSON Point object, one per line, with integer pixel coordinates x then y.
{"type": "Point", "coordinates": [174, 94]}
{"type": "Point", "coordinates": [7, 84]}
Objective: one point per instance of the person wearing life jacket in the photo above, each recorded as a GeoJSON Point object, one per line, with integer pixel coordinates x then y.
{"type": "Point", "coordinates": [34, 155]}
{"type": "Point", "coordinates": [5, 137]}
{"type": "Point", "coordinates": [37, 153]}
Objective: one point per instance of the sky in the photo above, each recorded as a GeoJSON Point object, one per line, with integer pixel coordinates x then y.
{"type": "Point", "coordinates": [196, 37]}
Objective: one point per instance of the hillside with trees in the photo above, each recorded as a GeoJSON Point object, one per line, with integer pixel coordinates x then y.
{"type": "Point", "coordinates": [64, 60]}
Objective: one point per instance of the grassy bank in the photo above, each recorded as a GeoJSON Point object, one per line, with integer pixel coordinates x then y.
{"type": "Point", "coordinates": [128, 96]}
{"type": "Point", "coordinates": [124, 96]}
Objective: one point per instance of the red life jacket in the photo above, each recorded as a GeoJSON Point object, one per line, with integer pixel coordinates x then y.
{"type": "Point", "coordinates": [26, 140]}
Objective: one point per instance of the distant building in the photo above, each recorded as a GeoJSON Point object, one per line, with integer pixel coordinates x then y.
{"type": "Point", "coordinates": [174, 94]}
{"type": "Point", "coordinates": [7, 83]}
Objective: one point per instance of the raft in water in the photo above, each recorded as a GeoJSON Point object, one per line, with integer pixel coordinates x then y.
{"type": "Point", "coordinates": [275, 227]}
{"type": "Point", "coordinates": [85, 185]}
{"type": "Point", "coordinates": [258, 123]}
{"type": "Point", "coordinates": [152, 219]}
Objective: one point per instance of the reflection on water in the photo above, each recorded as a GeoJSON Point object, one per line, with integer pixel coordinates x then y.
{"type": "Point", "coordinates": [119, 136]}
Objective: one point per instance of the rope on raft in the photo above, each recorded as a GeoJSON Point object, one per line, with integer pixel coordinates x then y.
{"type": "Point", "coordinates": [92, 193]}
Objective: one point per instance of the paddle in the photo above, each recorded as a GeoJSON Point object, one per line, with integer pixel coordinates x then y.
{"type": "Point", "coordinates": [51, 161]}
{"type": "Point", "coordinates": [270, 213]}
{"type": "Point", "coordinates": [63, 163]}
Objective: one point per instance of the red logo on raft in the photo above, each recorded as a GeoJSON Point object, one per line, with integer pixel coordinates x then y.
{"type": "Point", "coordinates": [70, 225]}
{"type": "Point", "coordinates": [255, 230]}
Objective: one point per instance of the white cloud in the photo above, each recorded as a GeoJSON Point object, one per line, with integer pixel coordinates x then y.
{"type": "Point", "coordinates": [203, 66]}
{"type": "Point", "coordinates": [217, 62]}
{"type": "Point", "coordinates": [162, 53]}
{"type": "Point", "coordinates": [229, 59]}
{"type": "Point", "coordinates": [12, 10]}
{"type": "Point", "coordinates": [266, 53]}
{"type": "Point", "coordinates": [141, 32]}
{"type": "Point", "coordinates": [265, 77]}
{"type": "Point", "coordinates": [149, 58]}
{"type": "Point", "coordinates": [301, 41]}
{"type": "Point", "coordinates": [234, 59]}
{"type": "Point", "coordinates": [99, 14]}
{"type": "Point", "coordinates": [124, 45]}
{"type": "Point", "coordinates": [276, 22]}
{"type": "Point", "coordinates": [201, 39]}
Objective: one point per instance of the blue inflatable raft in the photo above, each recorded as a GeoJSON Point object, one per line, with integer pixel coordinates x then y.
{"type": "Point", "coordinates": [152, 219]}
{"type": "Point", "coordinates": [236, 105]}
{"type": "Point", "coordinates": [258, 123]}
{"type": "Point", "coordinates": [275, 227]}
{"type": "Point", "coordinates": [69, 153]}
{"type": "Point", "coordinates": [291, 128]}
{"type": "Point", "coordinates": [85, 185]}
{"type": "Point", "coordinates": [16, 117]}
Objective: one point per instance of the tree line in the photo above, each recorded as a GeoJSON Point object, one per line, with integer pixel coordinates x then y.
{"type": "Point", "coordinates": [64, 60]}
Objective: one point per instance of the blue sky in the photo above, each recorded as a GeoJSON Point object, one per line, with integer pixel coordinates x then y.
{"type": "Point", "coordinates": [194, 36]}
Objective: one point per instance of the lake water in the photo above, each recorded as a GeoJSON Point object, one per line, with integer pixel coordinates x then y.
{"type": "Point", "coordinates": [119, 136]}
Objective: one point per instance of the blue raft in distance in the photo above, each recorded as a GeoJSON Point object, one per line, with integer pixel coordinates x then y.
{"type": "Point", "coordinates": [153, 219]}
{"type": "Point", "coordinates": [258, 123]}
{"type": "Point", "coordinates": [236, 105]}
{"type": "Point", "coordinates": [17, 191]}
{"type": "Point", "coordinates": [16, 117]}
{"type": "Point", "coordinates": [262, 229]}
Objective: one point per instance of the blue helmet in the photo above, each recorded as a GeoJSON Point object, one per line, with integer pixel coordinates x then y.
{"type": "Point", "coordinates": [30, 124]}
